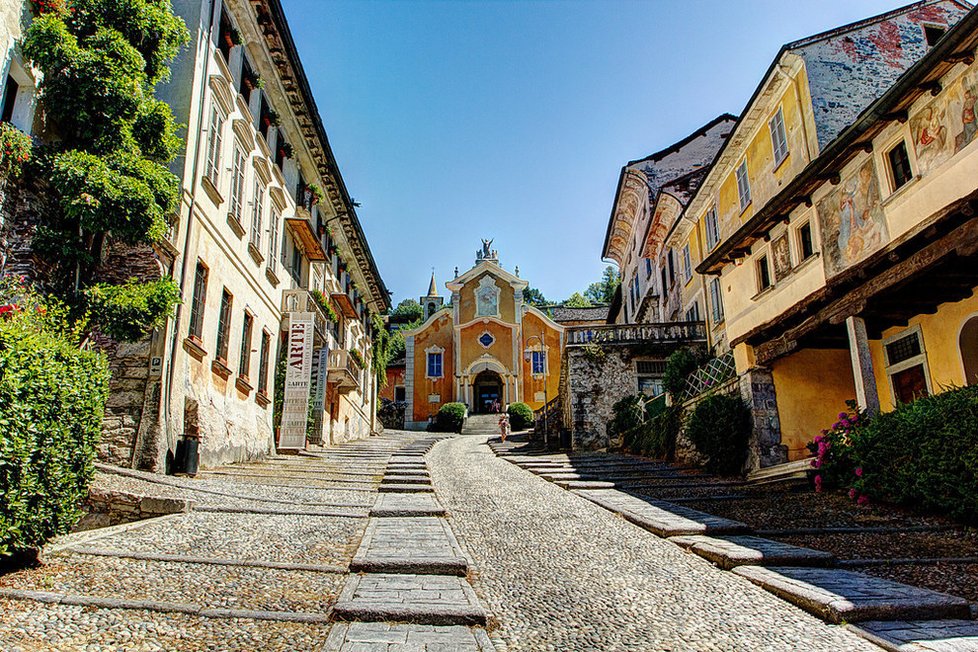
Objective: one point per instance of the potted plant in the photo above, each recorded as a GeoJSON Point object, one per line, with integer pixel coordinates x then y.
{"type": "Point", "coordinates": [274, 118]}
{"type": "Point", "coordinates": [317, 193]}
{"type": "Point", "coordinates": [232, 37]}
{"type": "Point", "coordinates": [286, 150]}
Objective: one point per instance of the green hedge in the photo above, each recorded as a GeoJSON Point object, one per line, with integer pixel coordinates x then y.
{"type": "Point", "coordinates": [923, 454]}
{"type": "Point", "coordinates": [720, 427]}
{"type": "Point", "coordinates": [656, 436]}
{"type": "Point", "coordinates": [520, 416]}
{"type": "Point", "coordinates": [450, 418]}
{"type": "Point", "coordinates": [52, 397]}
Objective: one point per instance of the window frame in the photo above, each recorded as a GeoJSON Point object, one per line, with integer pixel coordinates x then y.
{"type": "Point", "coordinates": [224, 326]}
{"type": "Point", "coordinates": [238, 176]}
{"type": "Point", "coordinates": [257, 213]}
{"type": "Point", "coordinates": [712, 234]}
{"type": "Point", "coordinates": [247, 335]}
{"type": "Point", "coordinates": [919, 359]}
{"type": "Point", "coordinates": [215, 143]}
{"type": "Point", "coordinates": [275, 217]}
{"type": "Point", "coordinates": [437, 357]}
{"type": "Point", "coordinates": [762, 268]}
{"type": "Point", "coordinates": [538, 359]}
{"type": "Point", "coordinates": [742, 174]}
{"type": "Point", "coordinates": [807, 224]}
{"type": "Point", "coordinates": [778, 133]}
{"type": "Point", "coordinates": [266, 345]}
{"type": "Point", "coordinates": [687, 264]}
{"type": "Point", "coordinates": [891, 168]}
{"type": "Point", "coordinates": [199, 301]}
{"type": "Point", "coordinates": [716, 299]}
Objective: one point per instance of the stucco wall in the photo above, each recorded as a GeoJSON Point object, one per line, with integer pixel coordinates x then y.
{"type": "Point", "coordinates": [439, 333]}
{"type": "Point", "coordinates": [549, 383]}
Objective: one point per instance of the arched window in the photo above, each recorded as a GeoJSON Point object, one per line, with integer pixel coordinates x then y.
{"type": "Point", "coordinates": [968, 346]}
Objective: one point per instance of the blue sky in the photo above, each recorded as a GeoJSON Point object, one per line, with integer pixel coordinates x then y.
{"type": "Point", "coordinates": [454, 121]}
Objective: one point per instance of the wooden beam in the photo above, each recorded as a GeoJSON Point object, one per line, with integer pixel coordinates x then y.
{"type": "Point", "coordinates": [934, 87]}
{"type": "Point", "coordinates": [961, 57]}
{"type": "Point", "coordinates": [899, 116]}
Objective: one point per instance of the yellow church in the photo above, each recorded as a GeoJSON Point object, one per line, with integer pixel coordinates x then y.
{"type": "Point", "coordinates": [487, 345]}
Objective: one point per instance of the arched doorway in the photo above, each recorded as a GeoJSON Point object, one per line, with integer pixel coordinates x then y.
{"type": "Point", "coordinates": [968, 346]}
{"type": "Point", "coordinates": [488, 388]}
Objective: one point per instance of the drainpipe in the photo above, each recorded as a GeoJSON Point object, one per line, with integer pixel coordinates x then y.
{"type": "Point", "coordinates": [168, 390]}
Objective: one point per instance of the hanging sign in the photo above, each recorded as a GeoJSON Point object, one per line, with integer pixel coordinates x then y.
{"type": "Point", "coordinates": [320, 401]}
{"type": "Point", "coordinates": [298, 374]}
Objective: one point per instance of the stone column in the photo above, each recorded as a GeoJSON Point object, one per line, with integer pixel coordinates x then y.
{"type": "Point", "coordinates": [765, 448]}
{"type": "Point", "coordinates": [862, 365]}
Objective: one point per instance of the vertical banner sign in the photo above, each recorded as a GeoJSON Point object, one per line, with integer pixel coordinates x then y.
{"type": "Point", "coordinates": [298, 372]}
{"type": "Point", "coordinates": [320, 401]}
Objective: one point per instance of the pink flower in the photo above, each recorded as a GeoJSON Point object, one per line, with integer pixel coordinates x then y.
{"type": "Point", "coordinates": [817, 462]}
{"type": "Point", "coordinates": [859, 471]}
{"type": "Point", "coordinates": [819, 438]}
{"type": "Point", "coordinates": [852, 493]}
{"type": "Point", "coordinates": [843, 415]}
{"type": "Point", "coordinates": [818, 483]}
{"type": "Point", "coordinates": [862, 500]}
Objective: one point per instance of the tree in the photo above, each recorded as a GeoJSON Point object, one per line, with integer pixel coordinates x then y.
{"type": "Point", "coordinates": [534, 297]}
{"type": "Point", "coordinates": [408, 308]}
{"type": "Point", "coordinates": [101, 61]}
{"type": "Point", "coordinates": [577, 300]}
{"type": "Point", "coordinates": [604, 290]}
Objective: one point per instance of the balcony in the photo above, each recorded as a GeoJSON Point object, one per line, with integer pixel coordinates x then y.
{"type": "Point", "coordinates": [302, 229]}
{"type": "Point", "coordinates": [301, 300]}
{"type": "Point", "coordinates": [665, 333]}
{"type": "Point", "coordinates": [343, 372]}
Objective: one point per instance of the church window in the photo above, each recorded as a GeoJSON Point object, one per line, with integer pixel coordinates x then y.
{"type": "Point", "coordinates": [486, 339]}
{"type": "Point", "coordinates": [539, 362]}
{"type": "Point", "coordinates": [434, 365]}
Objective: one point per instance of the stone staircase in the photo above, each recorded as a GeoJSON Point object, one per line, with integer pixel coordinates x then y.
{"type": "Point", "coordinates": [481, 424]}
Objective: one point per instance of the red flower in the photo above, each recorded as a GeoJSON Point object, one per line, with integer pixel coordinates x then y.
{"type": "Point", "coordinates": [7, 308]}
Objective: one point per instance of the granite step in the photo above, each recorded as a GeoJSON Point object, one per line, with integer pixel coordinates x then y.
{"type": "Point", "coordinates": [921, 635]}
{"type": "Point", "coordinates": [389, 505]}
{"type": "Point", "coordinates": [401, 488]}
{"type": "Point", "coordinates": [731, 551]}
{"type": "Point", "coordinates": [415, 599]}
{"type": "Point", "coordinates": [405, 479]}
{"type": "Point", "coordinates": [358, 636]}
{"type": "Point", "coordinates": [659, 517]}
{"type": "Point", "coordinates": [837, 595]}
{"type": "Point", "coordinates": [418, 545]}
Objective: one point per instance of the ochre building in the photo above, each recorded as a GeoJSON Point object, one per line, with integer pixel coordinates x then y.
{"type": "Point", "coordinates": [487, 345]}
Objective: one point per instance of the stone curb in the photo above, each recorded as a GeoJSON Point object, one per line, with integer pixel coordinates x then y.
{"type": "Point", "coordinates": [188, 559]}
{"type": "Point", "coordinates": [218, 509]}
{"type": "Point", "coordinates": [161, 607]}
{"type": "Point", "coordinates": [732, 551]}
{"type": "Point", "coordinates": [405, 489]}
{"type": "Point", "coordinates": [338, 633]}
{"type": "Point", "coordinates": [347, 607]}
{"type": "Point", "coordinates": [454, 566]}
{"type": "Point", "coordinates": [404, 479]}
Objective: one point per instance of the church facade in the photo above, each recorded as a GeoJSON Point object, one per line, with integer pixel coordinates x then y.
{"type": "Point", "coordinates": [487, 345]}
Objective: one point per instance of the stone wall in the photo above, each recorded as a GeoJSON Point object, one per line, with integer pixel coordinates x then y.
{"type": "Point", "coordinates": [104, 508]}
{"type": "Point", "coordinates": [597, 377]}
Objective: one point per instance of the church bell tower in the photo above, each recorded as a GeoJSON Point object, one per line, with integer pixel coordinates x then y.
{"type": "Point", "coordinates": [431, 303]}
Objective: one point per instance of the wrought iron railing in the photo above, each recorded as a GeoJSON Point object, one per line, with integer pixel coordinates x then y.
{"type": "Point", "coordinates": [680, 331]}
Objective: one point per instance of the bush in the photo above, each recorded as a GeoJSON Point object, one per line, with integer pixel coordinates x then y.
{"type": "Point", "coordinates": [834, 462]}
{"type": "Point", "coordinates": [52, 397]}
{"type": "Point", "coordinates": [450, 417]}
{"type": "Point", "coordinates": [628, 414]}
{"type": "Point", "coordinates": [720, 427]}
{"type": "Point", "coordinates": [679, 365]}
{"type": "Point", "coordinates": [15, 150]}
{"type": "Point", "coordinates": [520, 416]}
{"type": "Point", "coordinates": [923, 454]}
{"type": "Point", "coordinates": [391, 414]}
{"type": "Point", "coordinates": [656, 436]}
{"type": "Point", "coordinates": [127, 312]}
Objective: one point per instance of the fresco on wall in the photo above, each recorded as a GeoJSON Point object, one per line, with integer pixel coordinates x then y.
{"type": "Point", "coordinates": [947, 125]}
{"type": "Point", "coordinates": [852, 220]}
{"type": "Point", "coordinates": [781, 255]}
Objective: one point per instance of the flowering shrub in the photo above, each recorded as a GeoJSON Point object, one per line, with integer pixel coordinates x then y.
{"type": "Point", "coordinates": [834, 463]}
{"type": "Point", "coordinates": [52, 397]}
{"type": "Point", "coordinates": [325, 306]}
{"type": "Point", "coordinates": [15, 150]}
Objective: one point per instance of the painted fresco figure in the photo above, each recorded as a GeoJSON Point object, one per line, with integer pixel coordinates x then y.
{"type": "Point", "coordinates": [968, 124]}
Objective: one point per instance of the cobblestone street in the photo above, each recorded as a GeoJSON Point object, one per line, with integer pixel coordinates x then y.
{"type": "Point", "coordinates": [267, 560]}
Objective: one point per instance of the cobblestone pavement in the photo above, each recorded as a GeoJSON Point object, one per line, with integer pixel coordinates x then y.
{"type": "Point", "coordinates": [258, 566]}
{"type": "Point", "coordinates": [560, 573]}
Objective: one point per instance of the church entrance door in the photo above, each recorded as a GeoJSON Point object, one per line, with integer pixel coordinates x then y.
{"type": "Point", "coordinates": [488, 390]}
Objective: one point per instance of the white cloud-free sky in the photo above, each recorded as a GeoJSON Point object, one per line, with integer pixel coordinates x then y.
{"type": "Point", "coordinates": [458, 120]}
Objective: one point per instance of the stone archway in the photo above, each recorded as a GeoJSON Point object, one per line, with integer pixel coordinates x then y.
{"type": "Point", "coordinates": [487, 389]}
{"type": "Point", "coordinates": [968, 348]}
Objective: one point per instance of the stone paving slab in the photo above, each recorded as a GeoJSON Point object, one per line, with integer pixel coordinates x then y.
{"type": "Point", "coordinates": [731, 551]}
{"type": "Point", "coordinates": [659, 517]}
{"type": "Point", "coordinates": [419, 599]}
{"type": "Point", "coordinates": [405, 479]}
{"type": "Point", "coordinates": [404, 488]}
{"type": "Point", "coordinates": [419, 545]}
{"type": "Point", "coordinates": [388, 637]}
{"type": "Point", "coordinates": [584, 484]}
{"type": "Point", "coordinates": [840, 595]}
{"type": "Point", "coordinates": [390, 505]}
{"type": "Point", "coordinates": [921, 635]}
{"type": "Point", "coordinates": [410, 470]}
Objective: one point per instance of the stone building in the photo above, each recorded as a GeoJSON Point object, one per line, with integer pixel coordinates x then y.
{"type": "Point", "coordinates": [812, 92]}
{"type": "Point", "coordinates": [269, 255]}
{"type": "Point", "coordinates": [856, 277]}
{"type": "Point", "coordinates": [490, 346]}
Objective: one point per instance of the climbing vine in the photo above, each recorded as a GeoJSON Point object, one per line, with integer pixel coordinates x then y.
{"type": "Point", "coordinates": [101, 61]}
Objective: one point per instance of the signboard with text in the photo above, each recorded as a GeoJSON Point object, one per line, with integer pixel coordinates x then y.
{"type": "Point", "coordinates": [298, 374]}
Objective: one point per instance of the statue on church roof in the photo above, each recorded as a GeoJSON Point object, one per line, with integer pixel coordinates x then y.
{"type": "Point", "coordinates": [487, 252]}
